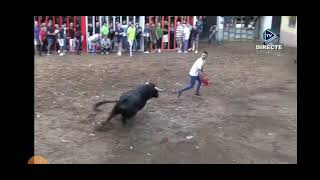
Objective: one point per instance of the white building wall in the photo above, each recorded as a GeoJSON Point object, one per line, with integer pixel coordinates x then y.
{"type": "Point", "coordinates": [288, 35]}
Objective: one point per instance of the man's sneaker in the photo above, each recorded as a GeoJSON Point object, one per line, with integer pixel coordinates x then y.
{"type": "Point", "coordinates": [147, 52]}
{"type": "Point", "coordinates": [107, 52]}
{"type": "Point", "coordinates": [159, 51]}
{"type": "Point", "coordinates": [196, 52]}
{"type": "Point", "coordinates": [48, 54]}
{"type": "Point", "coordinates": [185, 52]}
{"type": "Point", "coordinates": [179, 51]}
{"type": "Point", "coordinates": [102, 53]}
{"type": "Point", "coordinates": [61, 54]}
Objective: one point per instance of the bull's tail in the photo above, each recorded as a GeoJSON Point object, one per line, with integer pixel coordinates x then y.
{"type": "Point", "coordinates": [95, 107]}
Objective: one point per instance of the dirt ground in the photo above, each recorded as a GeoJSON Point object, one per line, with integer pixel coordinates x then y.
{"type": "Point", "coordinates": [248, 113]}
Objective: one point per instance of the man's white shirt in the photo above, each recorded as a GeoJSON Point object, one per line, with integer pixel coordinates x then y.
{"type": "Point", "coordinates": [196, 67]}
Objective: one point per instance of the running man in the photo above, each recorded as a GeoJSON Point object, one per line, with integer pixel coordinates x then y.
{"type": "Point", "coordinates": [196, 74]}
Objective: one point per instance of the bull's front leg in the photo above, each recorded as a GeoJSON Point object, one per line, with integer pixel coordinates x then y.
{"type": "Point", "coordinates": [127, 116]}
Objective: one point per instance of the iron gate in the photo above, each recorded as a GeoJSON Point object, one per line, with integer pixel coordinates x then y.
{"type": "Point", "coordinates": [236, 28]}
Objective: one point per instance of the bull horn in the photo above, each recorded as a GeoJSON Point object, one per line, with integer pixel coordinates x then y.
{"type": "Point", "coordinates": [159, 89]}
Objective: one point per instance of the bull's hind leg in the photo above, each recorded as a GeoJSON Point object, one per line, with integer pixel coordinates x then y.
{"type": "Point", "coordinates": [112, 115]}
{"type": "Point", "coordinates": [106, 121]}
{"type": "Point", "coordinates": [104, 126]}
{"type": "Point", "coordinates": [125, 117]}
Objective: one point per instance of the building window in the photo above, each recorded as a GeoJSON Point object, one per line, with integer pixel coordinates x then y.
{"type": "Point", "coordinates": [292, 21]}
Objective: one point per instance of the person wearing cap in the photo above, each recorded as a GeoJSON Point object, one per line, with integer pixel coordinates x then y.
{"type": "Point", "coordinates": [196, 74]}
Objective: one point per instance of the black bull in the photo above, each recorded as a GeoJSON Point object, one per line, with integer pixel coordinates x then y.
{"type": "Point", "coordinates": [131, 102]}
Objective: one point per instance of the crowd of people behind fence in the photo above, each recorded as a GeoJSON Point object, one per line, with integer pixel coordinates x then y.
{"type": "Point", "coordinates": [126, 37]}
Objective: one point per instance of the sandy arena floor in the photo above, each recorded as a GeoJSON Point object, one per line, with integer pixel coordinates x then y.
{"type": "Point", "coordinates": [248, 114]}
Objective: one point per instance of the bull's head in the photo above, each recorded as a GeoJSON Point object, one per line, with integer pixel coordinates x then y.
{"type": "Point", "coordinates": [154, 89]}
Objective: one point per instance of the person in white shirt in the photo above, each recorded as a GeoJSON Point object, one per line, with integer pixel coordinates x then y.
{"type": "Point", "coordinates": [105, 45]}
{"type": "Point", "coordinates": [196, 74]}
{"type": "Point", "coordinates": [179, 36]}
{"type": "Point", "coordinates": [186, 35]}
{"type": "Point", "coordinates": [124, 35]}
{"type": "Point", "coordinates": [94, 41]}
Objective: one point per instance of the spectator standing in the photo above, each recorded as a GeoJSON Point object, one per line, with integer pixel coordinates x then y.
{"type": "Point", "coordinates": [72, 39]}
{"type": "Point", "coordinates": [172, 40]}
{"type": "Point", "coordinates": [112, 38]}
{"type": "Point", "coordinates": [165, 35]}
{"type": "Point", "coordinates": [138, 37]}
{"type": "Point", "coordinates": [189, 40]}
{"type": "Point", "coordinates": [50, 37]}
{"type": "Point", "coordinates": [65, 37]}
{"type": "Point", "coordinates": [186, 35]}
{"type": "Point", "coordinates": [147, 38]}
{"type": "Point", "coordinates": [131, 33]}
{"type": "Point", "coordinates": [78, 36]}
{"type": "Point", "coordinates": [153, 37]}
{"type": "Point", "coordinates": [194, 39]}
{"type": "Point", "coordinates": [97, 29]}
{"type": "Point", "coordinates": [105, 30]}
{"type": "Point", "coordinates": [42, 38]}
{"type": "Point", "coordinates": [119, 36]}
{"type": "Point", "coordinates": [159, 34]}
{"type": "Point", "coordinates": [124, 34]}
{"type": "Point", "coordinates": [179, 36]}
{"type": "Point", "coordinates": [90, 29]}
{"type": "Point", "coordinates": [60, 36]}
{"type": "Point", "coordinates": [199, 25]}
{"type": "Point", "coordinates": [36, 37]}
